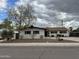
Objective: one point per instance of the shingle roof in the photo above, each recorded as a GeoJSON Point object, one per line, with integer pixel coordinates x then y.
{"type": "Point", "coordinates": [33, 27]}
{"type": "Point", "coordinates": [57, 29]}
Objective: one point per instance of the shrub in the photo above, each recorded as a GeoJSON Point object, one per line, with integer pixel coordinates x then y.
{"type": "Point", "coordinates": [7, 34]}
{"type": "Point", "coordinates": [60, 39]}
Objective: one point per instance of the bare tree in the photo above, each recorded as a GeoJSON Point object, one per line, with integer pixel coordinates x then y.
{"type": "Point", "coordinates": [22, 15]}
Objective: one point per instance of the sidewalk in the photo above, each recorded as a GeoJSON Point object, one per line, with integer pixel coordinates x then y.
{"type": "Point", "coordinates": [67, 38]}
{"type": "Point", "coordinates": [39, 44]}
{"type": "Point", "coordinates": [72, 38]}
{"type": "Point", "coordinates": [2, 40]}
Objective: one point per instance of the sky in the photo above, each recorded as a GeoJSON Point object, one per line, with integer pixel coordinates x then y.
{"type": "Point", "coordinates": [4, 4]}
{"type": "Point", "coordinates": [48, 12]}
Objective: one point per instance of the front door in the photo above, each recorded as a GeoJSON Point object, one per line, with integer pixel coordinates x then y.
{"type": "Point", "coordinates": [17, 35]}
{"type": "Point", "coordinates": [46, 33]}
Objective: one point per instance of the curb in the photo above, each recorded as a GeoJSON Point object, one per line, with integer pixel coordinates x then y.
{"type": "Point", "coordinates": [40, 44]}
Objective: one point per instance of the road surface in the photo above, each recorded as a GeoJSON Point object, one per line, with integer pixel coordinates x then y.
{"type": "Point", "coordinates": [39, 52]}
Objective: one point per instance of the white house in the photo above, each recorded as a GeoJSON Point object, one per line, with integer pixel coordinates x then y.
{"type": "Point", "coordinates": [40, 33]}
{"type": "Point", "coordinates": [52, 32]}
{"type": "Point", "coordinates": [32, 33]}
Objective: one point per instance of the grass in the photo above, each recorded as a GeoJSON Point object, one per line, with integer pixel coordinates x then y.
{"type": "Point", "coordinates": [39, 41]}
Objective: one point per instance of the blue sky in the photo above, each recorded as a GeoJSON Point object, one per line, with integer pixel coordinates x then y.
{"type": "Point", "coordinates": [11, 2]}
{"type": "Point", "coordinates": [3, 12]}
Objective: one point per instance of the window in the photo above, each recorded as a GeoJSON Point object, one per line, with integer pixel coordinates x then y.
{"type": "Point", "coordinates": [63, 31]}
{"type": "Point", "coordinates": [62, 35]}
{"type": "Point", "coordinates": [27, 32]}
{"type": "Point", "coordinates": [52, 35]}
{"type": "Point", "coordinates": [54, 32]}
{"type": "Point", "coordinates": [35, 32]}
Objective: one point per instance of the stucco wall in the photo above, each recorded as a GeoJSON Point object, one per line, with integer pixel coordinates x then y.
{"type": "Point", "coordinates": [65, 34]}
{"type": "Point", "coordinates": [32, 36]}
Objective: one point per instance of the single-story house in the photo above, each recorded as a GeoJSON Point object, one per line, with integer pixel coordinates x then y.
{"type": "Point", "coordinates": [38, 33]}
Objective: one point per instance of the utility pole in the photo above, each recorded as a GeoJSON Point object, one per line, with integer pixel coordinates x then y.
{"type": "Point", "coordinates": [62, 23]}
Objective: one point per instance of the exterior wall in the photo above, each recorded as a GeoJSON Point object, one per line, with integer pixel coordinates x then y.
{"type": "Point", "coordinates": [32, 36]}
{"type": "Point", "coordinates": [66, 34]}
{"type": "Point", "coordinates": [54, 34]}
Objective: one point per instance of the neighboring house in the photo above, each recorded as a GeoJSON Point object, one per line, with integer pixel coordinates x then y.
{"type": "Point", "coordinates": [32, 33]}
{"type": "Point", "coordinates": [52, 32]}
{"type": "Point", "coordinates": [74, 33]}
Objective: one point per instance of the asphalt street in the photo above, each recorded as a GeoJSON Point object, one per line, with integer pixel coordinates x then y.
{"type": "Point", "coordinates": [39, 52]}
